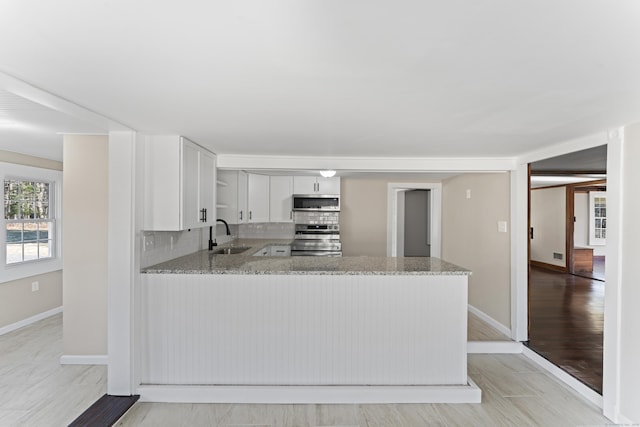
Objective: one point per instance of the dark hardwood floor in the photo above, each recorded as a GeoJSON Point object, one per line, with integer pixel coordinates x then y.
{"type": "Point", "coordinates": [567, 321]}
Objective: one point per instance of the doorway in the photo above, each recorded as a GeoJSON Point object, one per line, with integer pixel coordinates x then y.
{"type": "Point", "coordinates": [566, 303]}
{"type": "Point", "coordinates": [396, 225]}
{"type": "Point", "coordinates": [417, 219]}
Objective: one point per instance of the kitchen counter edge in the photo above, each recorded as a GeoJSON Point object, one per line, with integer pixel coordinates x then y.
{"type": "Point", "coordinates": [205, 262]}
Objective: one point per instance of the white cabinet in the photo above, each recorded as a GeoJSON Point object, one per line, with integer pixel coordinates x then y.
{"type": "Point", "coordinates": [274, 250]}
{"type": "Point", "coordinates": [179, 184]}
{"type": "Point", "coordinates": [280, 203]}
{"type": "Point", "coordinates": [258, 198]}
{"type": "Point", "coordinates": [316, 185]}
{"type": "Point", "coordinates": [280, 250]}
{"type": "Point", "coordinates": [232, 196]}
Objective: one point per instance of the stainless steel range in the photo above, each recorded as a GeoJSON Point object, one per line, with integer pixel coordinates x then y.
{"type": "Point", "coordinates": [317, 233]}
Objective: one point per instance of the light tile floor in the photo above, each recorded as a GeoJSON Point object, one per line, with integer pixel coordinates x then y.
{"type": "Point", "coordinates": [35, 390]}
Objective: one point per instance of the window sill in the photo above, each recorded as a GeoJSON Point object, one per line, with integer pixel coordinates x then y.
{"type": "Point", "coordinates": [13, 272]}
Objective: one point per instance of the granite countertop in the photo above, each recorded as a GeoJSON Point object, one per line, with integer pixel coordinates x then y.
{"type": "Point", "coordinates": [205, 262]}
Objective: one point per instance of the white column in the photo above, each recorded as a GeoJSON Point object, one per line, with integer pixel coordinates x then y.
{"type": "Point", "coordinates": [123, 260]}
{"type": "Point", "coordinates": [519, 253]}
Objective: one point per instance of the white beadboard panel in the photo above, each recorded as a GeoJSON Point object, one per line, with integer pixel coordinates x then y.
{"type": "Point", "coordinates": [304, 330]}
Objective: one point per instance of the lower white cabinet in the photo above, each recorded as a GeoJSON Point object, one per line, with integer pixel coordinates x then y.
{"type": "Point", "coordinates": [274, 250]}
{"type": "Point", "coordinates": [280, 250]}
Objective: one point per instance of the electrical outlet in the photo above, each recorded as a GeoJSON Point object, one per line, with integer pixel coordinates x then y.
{"type": "Point", "coordinates": [35, 286]}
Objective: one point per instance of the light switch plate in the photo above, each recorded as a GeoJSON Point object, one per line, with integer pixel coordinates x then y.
{"type": "Point", "coordinates": [502, 226]}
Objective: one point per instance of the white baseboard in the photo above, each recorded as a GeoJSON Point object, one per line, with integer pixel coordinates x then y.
{"type": "Point", "coordinates": [469, 393]}
{"type": "Point", "coordinates": [494, 347]}
{"type": "Point", "coordinates": [563, 376]}
{"type": "Point", "coordinates": [97, 359]}
{"type": "Point", "coordinates": [490, 320]}
{"type": "Point", "coordinates": [29, 320]}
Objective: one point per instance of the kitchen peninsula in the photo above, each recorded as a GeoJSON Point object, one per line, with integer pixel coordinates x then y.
{"type": "Point", "coordinates": [240, 328]}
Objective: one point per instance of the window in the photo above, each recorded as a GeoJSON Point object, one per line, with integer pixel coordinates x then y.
{"type": "Point", "coordinates": [30, 224]}
{"type": "Point", "coordinates": [597, 218]}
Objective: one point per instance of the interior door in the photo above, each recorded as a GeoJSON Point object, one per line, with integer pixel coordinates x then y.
{"type": "Point", "coordinates": [417, 239]}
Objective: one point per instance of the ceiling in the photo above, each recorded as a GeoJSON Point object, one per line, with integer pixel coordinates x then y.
{"type": "Point", "coordinates": [331, 78]}
{"type": "Point", "coordinates": [592, 160]}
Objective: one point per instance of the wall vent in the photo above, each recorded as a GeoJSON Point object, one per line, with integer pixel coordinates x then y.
{"type": "Point", "coordinates": [557, 255]}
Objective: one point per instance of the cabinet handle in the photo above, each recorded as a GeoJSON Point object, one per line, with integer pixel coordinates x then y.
{"type": "Point", "coordinates": [290, 214]}
{"type": "Point", "coordinates": [203, 215]}
{"type": "Point", "coordinates": [249, 214]}
{"type": "Point", "coordinates": [240, 215]}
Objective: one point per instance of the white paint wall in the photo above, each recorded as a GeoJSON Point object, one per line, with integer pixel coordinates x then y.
{"type": "Point", "coordinates": [85, 245]}
{"type": "Point", "coordinates": [630, 289]}
{"type": "Point", "coordinates": [548, 219]}
{"type": "Point", "coordinates": [470, 238]}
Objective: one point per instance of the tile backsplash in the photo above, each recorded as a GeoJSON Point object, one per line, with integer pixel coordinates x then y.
{"type": "Point", "coordinates": [161, 246]}
{"type": "Point", "coordinates": [267, 230]}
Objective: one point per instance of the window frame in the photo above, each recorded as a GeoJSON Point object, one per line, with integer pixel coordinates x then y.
{"type": "Point", "coordinates": [593, 239]}
{"type": "Point", "coordinates": [22, 269]}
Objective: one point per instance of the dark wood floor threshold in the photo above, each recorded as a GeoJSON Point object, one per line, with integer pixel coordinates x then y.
{"type": "Point", "coordinates": [541, 354]}
{"type": "Point", "coordinates": [105, 411]}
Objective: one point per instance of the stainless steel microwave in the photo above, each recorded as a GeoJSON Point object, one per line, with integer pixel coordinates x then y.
{"type": "Point", "coordinates": [316, 202]}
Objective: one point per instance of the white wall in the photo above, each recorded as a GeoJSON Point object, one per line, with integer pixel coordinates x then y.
{"type": "Point", "coordinates": [548, 219]}
{"type": "Point", "coordinates": [17, 301]}
{"type": "Point", "coordinates": [470, 238]}
{"type": "Point", "coordinates": [630, 289]}
{"type": "Point", "coordinates": [85, 245]}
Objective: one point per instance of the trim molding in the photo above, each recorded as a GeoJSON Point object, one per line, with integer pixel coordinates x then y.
{"type": "Point", "coordinates": [490, 320]}
{"type": "Point", "coordinates": [30, 320]}
{"type": "Point", "coordinates": [370, 164]}
{"type": "Point", "coordinates": [547, 266]}
{"type": "Point", "coordinates": [564, 377]}
{"type": "Point", "coordinates": [469, 393]}
{"type": "Point", "coordinates": [494, 347]}
{"type": "Point", "coordinates": [89, 359]}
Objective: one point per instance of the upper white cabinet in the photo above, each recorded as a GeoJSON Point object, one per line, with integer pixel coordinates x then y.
{"type": "Point", "coordinates": [232, 196]}
{"type": "Point", "coordinates": [179, 184]}
{"type": "Point", "coordinates": [280, 203]}
{"type": "Point", "coordinates": [258, 198]}
{"type": "Point", "coordinates": [316, 185]}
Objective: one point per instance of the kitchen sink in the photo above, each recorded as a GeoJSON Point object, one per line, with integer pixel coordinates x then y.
{"type": "Point", "coordinates": [232, 250]}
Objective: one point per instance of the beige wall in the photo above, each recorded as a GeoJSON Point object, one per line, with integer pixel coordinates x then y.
{"type": "Point", "coordinates": [548, 219]}
{"type": "Point", "coordinates": [17, 301]}
{"type": "Point", "coordinates": [23, 159]}
{"type": "Point", "coordinates": [470, 238]}
{"type": "Point", "coordinates": [630, 291]}
{"type": "Point", "coordinates": [84, 248]}
{"type": "Point", "coordinates": [363, 215]}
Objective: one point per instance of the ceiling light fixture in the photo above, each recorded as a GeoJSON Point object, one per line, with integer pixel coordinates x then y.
{"type": "Point", "coordinates": [327, 173]}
